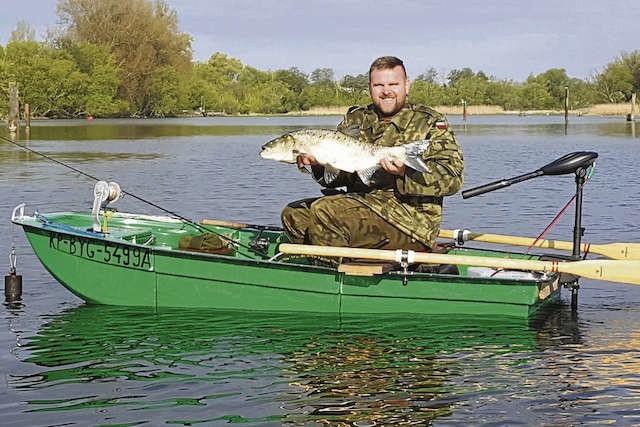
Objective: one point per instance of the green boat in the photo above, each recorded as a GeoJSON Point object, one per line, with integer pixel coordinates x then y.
{"type": "Point", "coordinates": [138, 262]}
{"type": "Point", "coordinates": [116, 258]}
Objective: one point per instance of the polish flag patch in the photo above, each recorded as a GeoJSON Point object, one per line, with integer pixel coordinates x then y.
{"type": "Point", "coordinates": [441, 125]}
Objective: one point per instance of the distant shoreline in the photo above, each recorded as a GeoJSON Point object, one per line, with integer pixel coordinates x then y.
{"type": "Point", "coordinates": [474, 110]}
{"type": "Point", "coordinates": [602, 110]}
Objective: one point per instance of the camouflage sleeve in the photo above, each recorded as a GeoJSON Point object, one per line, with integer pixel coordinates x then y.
{"type": "Point", "coordinates": [444, 160]}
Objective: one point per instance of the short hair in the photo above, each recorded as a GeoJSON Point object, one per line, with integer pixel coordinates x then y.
{"type": "Point", "coordinates": [386, 63]}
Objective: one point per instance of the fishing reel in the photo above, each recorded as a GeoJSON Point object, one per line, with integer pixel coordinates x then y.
{"type": "Point", "coordinates": [103, 194]}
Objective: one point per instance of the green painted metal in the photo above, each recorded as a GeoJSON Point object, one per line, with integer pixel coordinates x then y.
{"type": "Point", "coordinates": [138, 263]}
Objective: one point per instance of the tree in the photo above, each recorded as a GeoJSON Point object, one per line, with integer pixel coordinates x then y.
{"type": "Point", "coordinates": [354, 89]}
{"type": "Point", "coordinates": [100, 97]}
{"type": "Point", "coordinates": [614, 83]}
{"type": "Point", "coordinates": [428, 93]}
{"type": "Point", "coordinates": [581, 94]}
{"type": "Point", "coordinates": [535, 95]}
{"type": "Point", "coordinates": [293, 78]}
{"type": "Point", "coordinates": [359, 83]}
{"type": "Point", "coordinates": [504, 93]}
{"type": "Point", "coordinates": [221, 67]}
{"type": "Point", "coordinates": [142, 35]}
{"type": "Point", "coordinates": [267, 97]}
{"type": "Point", "coordinates": [632, 62]}
{"type": "Point", "coordinates": [213, 85]}
{"type": "Point", "coordinates": [71, 82]}
{"type": "Point", "coordinates": [47, 80]}
{"type": "Point", "coordinates": [619, 79]}
{"type": "Point", "coordinates": [555, 80]}
{"type": "Point", "coordinates": [322, 76]}
{"type": "Point", "coordinates": [165, 93]}
{"type": "Point", "coordinates": [472, 90]}
{"type": "Point", "coordinates": [295, 81]}
{"type": "Point", "coordinates": [430, 76]}
{"type": "Point", "coordinates": [22, 33]}
{"type": "Point", "coordinates": [455, 75]}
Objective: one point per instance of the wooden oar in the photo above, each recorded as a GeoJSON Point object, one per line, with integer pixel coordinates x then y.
{"type": "Point", "coordinates": [611, 270]}
{"type": "Point", "coordinates": [629, 251]}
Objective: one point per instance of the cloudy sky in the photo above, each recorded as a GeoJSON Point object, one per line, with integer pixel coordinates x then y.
{"type": "Point", "coordinates": [505, 39]}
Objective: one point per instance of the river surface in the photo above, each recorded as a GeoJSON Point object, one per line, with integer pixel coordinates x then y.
{"type": "Point", "coordinates": [65, 363]}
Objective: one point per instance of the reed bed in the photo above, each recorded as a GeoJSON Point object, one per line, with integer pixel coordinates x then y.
{"type": "Point", "coordinates": [594, 110]}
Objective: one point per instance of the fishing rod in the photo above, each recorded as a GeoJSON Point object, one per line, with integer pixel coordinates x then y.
{"type": "Point", "coordinates": [143, 200]}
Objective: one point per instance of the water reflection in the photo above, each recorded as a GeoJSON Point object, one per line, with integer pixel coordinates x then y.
{"type": "Point", "coordinates": [321, 369]}
{"type": "Point", "coordinates": [610, 127]}
{"type": "Point", "coordinates": [115, 129]}
{"type": "Point", "coordinates": [119, 129]}
{"type": "Point", "coordinates": [102, 365]}
{"type": "Point", "coordinates": [74, 156]}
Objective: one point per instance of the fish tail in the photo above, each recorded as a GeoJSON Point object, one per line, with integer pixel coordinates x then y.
{"type": "Point", "coordinates": [414, 151]}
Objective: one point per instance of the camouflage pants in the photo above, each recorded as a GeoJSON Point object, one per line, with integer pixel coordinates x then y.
{"type": "Point", "coordinates": [342, 221]}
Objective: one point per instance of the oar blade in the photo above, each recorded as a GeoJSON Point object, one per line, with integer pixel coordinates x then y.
{"type": "Point", "coordinates": [629, 251]}
{"type": "Point", "coordinates": [620, 271]}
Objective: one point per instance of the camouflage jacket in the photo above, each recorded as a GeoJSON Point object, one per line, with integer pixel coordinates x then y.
{"type": "Point", "coordinates": [413, 202]}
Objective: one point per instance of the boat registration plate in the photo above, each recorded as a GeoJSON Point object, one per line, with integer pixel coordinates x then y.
{"type": "Point", "coordinates": [102, 251]}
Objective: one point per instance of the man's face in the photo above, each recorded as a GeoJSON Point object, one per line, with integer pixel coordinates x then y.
{"type": "Point", "coordinates": [389, 88]}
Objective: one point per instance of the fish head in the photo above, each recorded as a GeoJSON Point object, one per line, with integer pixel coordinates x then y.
{"type": "Point", "coordinates": [283, 149]}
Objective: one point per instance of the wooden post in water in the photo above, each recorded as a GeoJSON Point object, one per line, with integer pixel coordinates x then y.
{"type": "Point", "coordinates": [464, 110]}
{"type": "Point", "coordinates": [13, 121]}
{"type": "Point", "coordinates": [27, 116]}
{"type": "Point", "coordinates": [566, 104]}
{"type": "Point", "coordinates": [631, 116]}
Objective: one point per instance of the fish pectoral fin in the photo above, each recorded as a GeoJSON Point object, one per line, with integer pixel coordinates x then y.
{"type": "Point", "coordinates": [330, 174]}
{"type": "Point", "coordinates": [365, 175]}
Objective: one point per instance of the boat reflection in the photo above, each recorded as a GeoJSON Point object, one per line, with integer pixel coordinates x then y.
{"type": "Point", "coordinates": [290, 368]}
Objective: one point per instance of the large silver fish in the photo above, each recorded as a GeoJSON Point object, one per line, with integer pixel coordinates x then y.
{"type": "Point", "coordinates": [339, 152]}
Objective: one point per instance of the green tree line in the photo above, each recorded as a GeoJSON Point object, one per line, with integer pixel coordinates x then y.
{"type": "Point", "coordinates": [114, 58]}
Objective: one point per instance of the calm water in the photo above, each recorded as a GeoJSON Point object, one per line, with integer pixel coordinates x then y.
{"type": "Point", "coordinates": [64, 363]}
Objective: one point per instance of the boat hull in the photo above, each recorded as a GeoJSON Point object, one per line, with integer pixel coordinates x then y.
{"type": "Point", "coordinates": [122, 268]}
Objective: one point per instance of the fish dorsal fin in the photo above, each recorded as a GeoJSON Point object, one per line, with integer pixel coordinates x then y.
{"type": "Point", "coordinates": [365, 175]}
